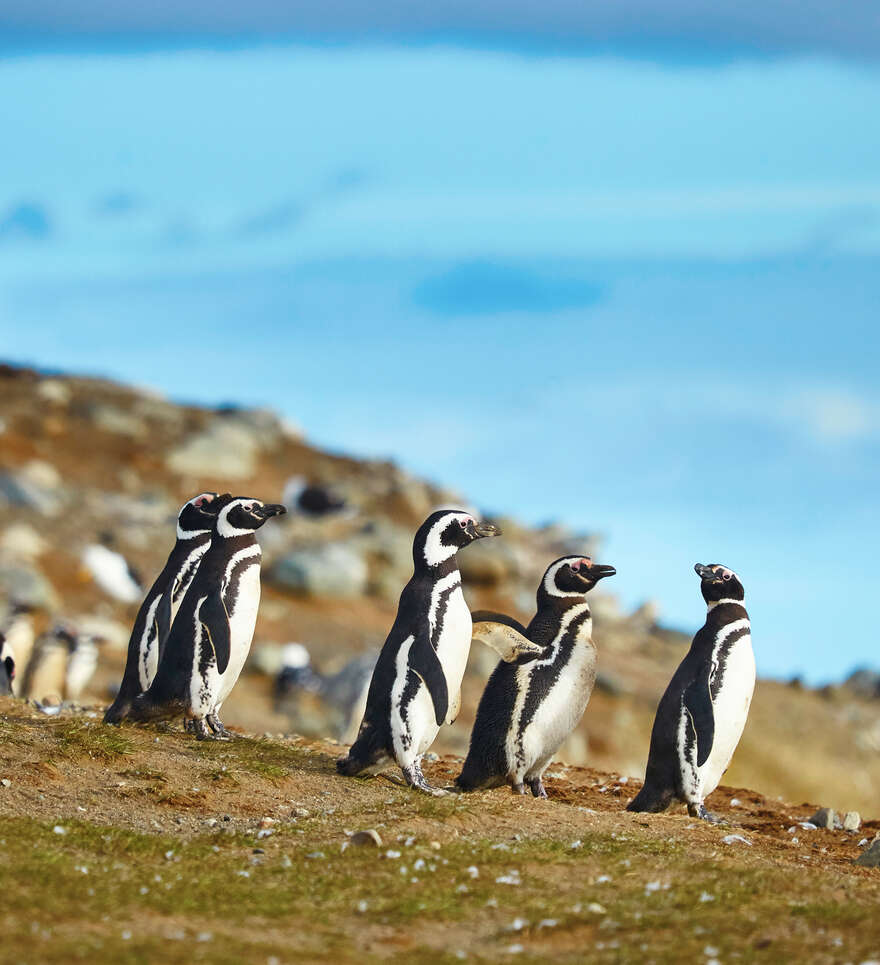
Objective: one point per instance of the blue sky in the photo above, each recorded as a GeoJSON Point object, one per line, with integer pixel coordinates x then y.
{"type": "Point", "coordinates": [636, 293]}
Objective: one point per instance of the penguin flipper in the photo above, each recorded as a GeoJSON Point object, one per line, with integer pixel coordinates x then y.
{"type": "Point", "coordinates": [508, 642]}
{"type": "Point", "coordinates": [215, 620]}
{"type": "Point", "coordinates": [162, 621]}
{"type": "Point", "coordinates": [697, 700]}
{"type": "Point", "coordinates": [491, 616]}
{"type": "Point", "coordinates": [423, 660]}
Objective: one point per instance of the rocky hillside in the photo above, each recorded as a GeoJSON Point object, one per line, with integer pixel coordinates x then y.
{"type": "Point", "coordinates": [85, 461]}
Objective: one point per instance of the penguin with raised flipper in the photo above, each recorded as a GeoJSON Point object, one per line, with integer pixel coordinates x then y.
{"type": "Point", "coordinates": [531, 705]}
{"type": "Point", "coordinates": [416, 684]}
{"type": "Point", "coordinates": [212, 632]}
{"type": "Point", "coordinates": [703, 712]}
{"type": "Point", "coordinates": [195, 523]}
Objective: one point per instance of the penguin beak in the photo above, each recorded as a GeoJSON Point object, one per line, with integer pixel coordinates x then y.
{"type": "Point", "coordinates": [704, 572]}
{"type": "Point", "coordinates": [268, 510]}
{"type": "Point", "coordinates": [481, 530]}
{"type": "Point", "coordinates": [598, 572]}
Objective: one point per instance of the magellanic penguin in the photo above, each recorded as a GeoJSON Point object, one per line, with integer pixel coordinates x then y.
{"type": "Point", "coordinates": [531, 705]}
{"type": "Point", "coordinates": [7, 668]}
{"type": "Point", "coordinates": [195, 522]}
{"type": "Point", "coordinates": [111, 570]}
{"type": "Point", "coordinates": [20, 636]}
{"type": "Point", "coordinates": [702, 714]}
{"type": "Point", "coordinates": [212, 632]}
{"type": "Point", "coordinates": [416, 684]}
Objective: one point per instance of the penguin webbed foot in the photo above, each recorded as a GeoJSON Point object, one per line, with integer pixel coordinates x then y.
{"type": "Point", "coordinates": [518, 788]}
{"type": "Point", "coordinates": [201, 728]}
{"type": "Point", "coordinates": [217, 727]}
{"type": "Point", "coordinates": [700, 811]}
{"type": "Point", "coordinates": [415, 779]}
{"type": "Point", "coordinates": [537, 788]}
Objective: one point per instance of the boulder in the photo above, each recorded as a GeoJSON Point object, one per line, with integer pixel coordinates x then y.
{"type": "Point", "coordinates": [27, 585]}
{"type": "Point", "coordinates": [334, 570]}
{"type": "Point", "coordinates": [225, 448]}
{"type": "Point", "coordinates": [823, 818]}
{"type": "Point", "coordinates": [488, 562]}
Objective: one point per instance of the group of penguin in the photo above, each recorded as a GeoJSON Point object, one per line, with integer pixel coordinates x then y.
{"type": "Point", "coordinates": [194, 629]}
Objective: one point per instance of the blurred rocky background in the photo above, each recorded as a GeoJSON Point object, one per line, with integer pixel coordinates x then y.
{"type": "Point", "coordinates": [91, 477]}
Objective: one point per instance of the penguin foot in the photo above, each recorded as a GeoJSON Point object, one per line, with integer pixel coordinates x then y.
{"type": "Point", "coordinates": [537, 787]}
{"type": "Point", "coordinates": [415, 779]}
{"type": "Point", "coordinates": [201, 729]}
{"type": "Point", "coordinates": [519, 788]}
{"type": "Point", "coordinates": [700, 811]}
{"type": "Point", "coordinates": [217, 727]}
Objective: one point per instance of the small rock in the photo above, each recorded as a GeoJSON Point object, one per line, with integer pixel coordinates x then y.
{"type": "Point", "coordinates": [301, 812]}
{"type": "Point", "coordinates": [6, 782]}
{"type": "Point", "coordinates": [870, 857]}
{"type": "Point", "coordinates": [267, 822]}
{"type": "Point", "coordinates": [823, 818]}
{"type": "Point", "coordinates": [369, 838]}
{"type": "Point", "coordinates": [735, 839]}
{"type": "Point", "coordinates": [852, 821]}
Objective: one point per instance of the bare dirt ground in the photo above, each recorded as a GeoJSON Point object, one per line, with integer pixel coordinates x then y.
{"type": "Point", "coordinates": [138, 844]}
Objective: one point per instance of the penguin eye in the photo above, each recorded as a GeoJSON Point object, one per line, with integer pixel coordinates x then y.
{"type": "Point", "coordinates": [463, 523]}
{"type": "Point", "coordinates": [727, 576]}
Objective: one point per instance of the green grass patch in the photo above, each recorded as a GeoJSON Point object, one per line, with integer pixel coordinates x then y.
{"type": "Point", "coordinates": [77, 738]}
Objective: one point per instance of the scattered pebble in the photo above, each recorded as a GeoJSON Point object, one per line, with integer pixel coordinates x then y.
{"type": "Point", "coordinates": [512, 878]}
{"type": "Point", "coordinates": [473, 871]}
{"type": "Point", "coordinates": [392, 854]}
{"type": "Point", "coordinates": [705, 896]}
{"type": "Point", "coordinates": [266, 822]}
{"type": "Point", "coordinates": [548, 923]}
{"type": "Point", "coordinates": [735, 802]}
{"type": "Point", "coordinates": [823, 818]}
{"type": "Point", "coordinates": [316, 854]}
{"type": "Point", "coordinates": [852, 821]}
{"type": "Point", "coordinates": [6, 782]}
{"type": "Point", "coordinates": [301, 812]}
{"type": "Point", "coordinates": [734, 838]}
{"type": "Point", "coordinates": [369, 839]}
{"type": "Point", "coordinates": [603, 879]}
{"type": "Point", "coordinates": [518, 924]}
{"type": "Point", "coordinates": [595, 908]}
{"type": "Point", "coordinates": [576, 844]}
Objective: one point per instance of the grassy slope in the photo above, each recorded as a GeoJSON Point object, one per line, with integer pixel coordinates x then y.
{"type": "Point", "coordinates": [160, 883]}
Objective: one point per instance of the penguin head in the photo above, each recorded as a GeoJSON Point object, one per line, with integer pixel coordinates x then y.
{"type": "Point", "coordinates": [571, 576]}
{"type": "Point", "coordinates": [444, 533]}
{"type": "Point", "coordinates": [7, 668]}
{"type": "Point", "coordinates": [718, 583]}
{"type": "Point", "coordinates": [244, 515]}
{"type": "Point", "coordinates": [197, 515]}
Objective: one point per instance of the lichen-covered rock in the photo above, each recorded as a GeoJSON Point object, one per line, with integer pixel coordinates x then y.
{"type": "Point", "coordinates": [226, 448]}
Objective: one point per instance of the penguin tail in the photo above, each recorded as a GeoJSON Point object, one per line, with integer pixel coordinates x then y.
{"type": "Point", "coordinates": [144, 709]}
{"type": "Point", "coordinates": [366, 751]}
{"type": "Point", "coordinates": [117, 711]}
{"type": "Point", "coordinates": [651, 800]}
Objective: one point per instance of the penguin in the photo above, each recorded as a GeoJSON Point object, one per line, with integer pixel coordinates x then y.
{"type": "Point", "coordinates": [20, 636]}
{"type": "Point", "coordinates": [701, 716]}
{"type": "Point", "coordinates": [112, 571]}
{"type": "Point", "coordinates": [82, 662]}
{"type": "Point", "coordinates": [7, 668]}
{"type": "Point", "coordinates": [531, 705]}
{"type": "Point", "coordinates": [311, 499]}
{"type": "Point", "coordinates": [416, 683]}
{"type": "Point", "coordinates": [47, 668]}
{"type": "Point", "coordinates": [212, 632]}
{"type": "Point", "coordinates": [343, 693]}
{"type": "Point", "coordinates": [195, 522]}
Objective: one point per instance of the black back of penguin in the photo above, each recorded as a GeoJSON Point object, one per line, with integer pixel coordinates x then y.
{"type": "Point", "coordinates": [195, 523]}
{"type": "Point", "coordinates": [563, 586]}
{"type": "Point", "coordinates": [725, 600]}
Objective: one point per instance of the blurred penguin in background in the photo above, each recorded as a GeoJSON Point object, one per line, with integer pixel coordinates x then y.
{"type": "Point", "coordinates": [112, 571]}
{"type": "Point", "coordinates": [20, 635]}
{"type": "Point", "coordinates": [343, 694]}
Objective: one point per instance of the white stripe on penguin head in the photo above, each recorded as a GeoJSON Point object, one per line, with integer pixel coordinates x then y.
{"type": "Point", "coordinates": [191, 533]}
{"type": "Point", "coordinates": [550, 578]}
{"type": "Point", "coordinates": [436, 551]}
{"type": "Point", "coordinates": [224, 527]}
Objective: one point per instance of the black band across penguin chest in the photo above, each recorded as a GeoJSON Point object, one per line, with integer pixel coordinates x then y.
{"type": "Point", "coordinates": [545, 672]}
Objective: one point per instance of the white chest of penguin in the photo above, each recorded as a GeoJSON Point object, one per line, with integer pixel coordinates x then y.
{"type": "Point", "coordinates": [454, 639]}
{"type": "Point", "coordinates": [242, 620]}
{"type": "Point", "coordinates": [731, 710]}
{"type": "Point", "coordinates": [562, 707]}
